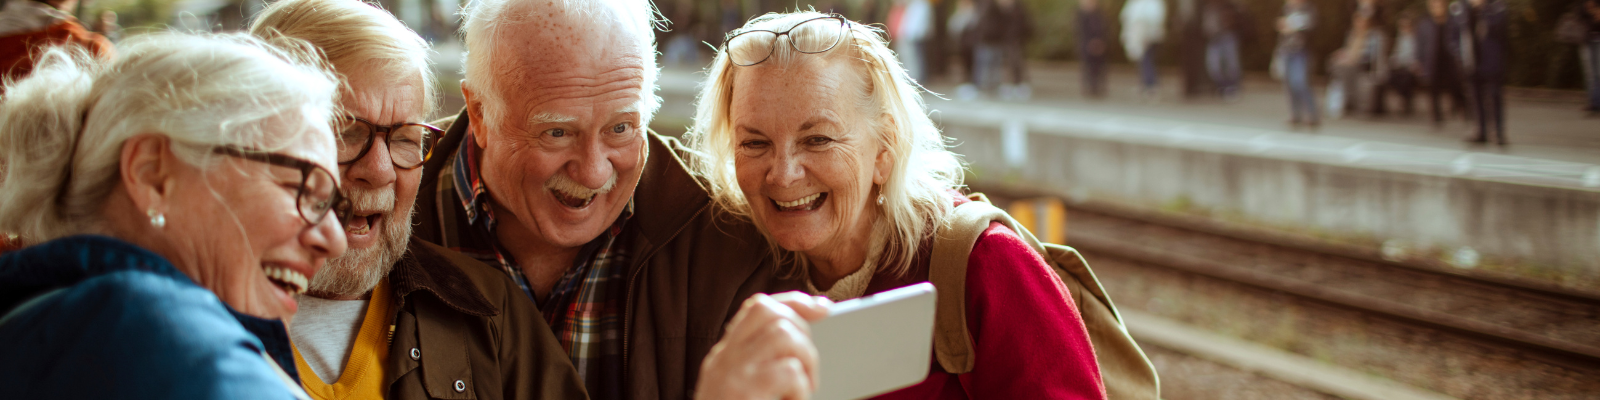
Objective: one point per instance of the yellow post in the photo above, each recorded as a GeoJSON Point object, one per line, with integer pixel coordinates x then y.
{"type": "Point", "coordinates": [1046, 217]}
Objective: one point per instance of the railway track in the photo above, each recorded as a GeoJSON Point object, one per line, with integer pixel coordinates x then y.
{"type": "Point", "coordinates": [1552, 324]}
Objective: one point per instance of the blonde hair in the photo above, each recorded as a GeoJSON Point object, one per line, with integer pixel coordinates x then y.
{"type": "Point", "coordinates": [916, 194]}
{"type": "Point", "coordinates": [483, 19]}
{"type": "Point", "coordinates": [351, 33]}
{"type": "Point", "coordinates": [62, 127]}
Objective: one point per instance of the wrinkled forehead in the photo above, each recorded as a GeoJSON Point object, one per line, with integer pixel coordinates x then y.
{"type": "Point", "coordinates": [812, 83]}
{"type": "Point", "coordinates": [383, 97]}
{"type": "Point", "coordinates": [562, 50]}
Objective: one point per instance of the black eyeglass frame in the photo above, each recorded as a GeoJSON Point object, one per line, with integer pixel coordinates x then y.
{"type": "Point", "coordinates": [338, 203]}
{"type": "Point", "coordinates": [844, 29]}
{"type": "Point", "coordinates": [429, 139]}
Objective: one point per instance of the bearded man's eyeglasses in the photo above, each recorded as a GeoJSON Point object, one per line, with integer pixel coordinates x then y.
{"type": "Point", "coordinates": [409, 143]}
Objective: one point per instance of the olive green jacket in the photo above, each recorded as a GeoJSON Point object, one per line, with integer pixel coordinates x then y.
{"type": "Point", "coordinates": [464, 330]}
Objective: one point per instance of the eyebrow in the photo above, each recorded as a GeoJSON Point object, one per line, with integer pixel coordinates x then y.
{"type": "Point", "coordinates": [818, 120]}
{"type": "Point", "coordinates": [550, 118]}
{"type": "Point", "coordinates": [630, 109]}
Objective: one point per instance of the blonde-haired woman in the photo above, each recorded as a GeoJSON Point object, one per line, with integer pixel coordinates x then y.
{"type": "Point", "coordinates": [810, 128]}
{"type": "Point", "coordinates": [179, 195]}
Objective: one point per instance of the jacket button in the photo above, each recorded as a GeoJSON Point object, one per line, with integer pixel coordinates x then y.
{"type": "Point", "coordinates": [460, 386]}
{"type": "Point", "coordinates": [416, 354]}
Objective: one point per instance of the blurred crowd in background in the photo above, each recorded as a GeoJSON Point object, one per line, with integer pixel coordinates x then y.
{"type": "Point", "coordinates": [1369, 57]}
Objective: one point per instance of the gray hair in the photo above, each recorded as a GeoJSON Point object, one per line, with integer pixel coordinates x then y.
{"type": "Point", "coordinates": [350, 33]}
{"type": "Point", "coordinates": [916, 194]}
{"type": "Point", "coordinates": [62, 128]}
{"type": "Point", "coordinates": [483, 19]}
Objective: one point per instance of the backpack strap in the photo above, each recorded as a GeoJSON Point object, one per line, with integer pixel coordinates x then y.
{"type": "Point", "coordinates": [1125, 371]}
{"type": "Point", "coordinates": [947, 270]}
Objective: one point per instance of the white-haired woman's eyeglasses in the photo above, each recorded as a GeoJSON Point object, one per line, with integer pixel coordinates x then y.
{"type": "Point", "coordinates": [811, 36]}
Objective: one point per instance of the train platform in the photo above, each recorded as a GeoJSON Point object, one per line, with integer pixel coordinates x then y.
{"type": "Point", "coordinates": [1394, 186]}
{"type": "Point", "coordinates": [1541, 124]}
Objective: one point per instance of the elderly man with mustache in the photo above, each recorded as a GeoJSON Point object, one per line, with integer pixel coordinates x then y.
{"type": "Point", "coordinates": [395, 317]}
{"type": "Point", "coordinates": [551, 174]}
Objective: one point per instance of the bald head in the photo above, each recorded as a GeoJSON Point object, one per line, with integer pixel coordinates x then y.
{"type": "Point", "coordinates": [514, 44]}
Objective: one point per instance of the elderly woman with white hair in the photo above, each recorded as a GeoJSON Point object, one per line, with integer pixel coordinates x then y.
{"type": "Point", "coordinates": [179, 196]}
{"type": "Point", "coordinates": [810, 128]}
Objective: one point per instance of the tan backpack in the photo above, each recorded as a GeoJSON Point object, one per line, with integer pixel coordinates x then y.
{"type": "Point", "coordinates": [1124, 369]}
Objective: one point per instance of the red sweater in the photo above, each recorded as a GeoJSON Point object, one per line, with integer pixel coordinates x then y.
{"type": "Point", "coordinates": [1028, 339]}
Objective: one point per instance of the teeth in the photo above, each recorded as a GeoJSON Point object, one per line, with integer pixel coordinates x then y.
{"type": "Point", "coordinates": [365, 227]}
{"type": "Point", "coordinates": [797, 203]}
{"type": "Point", "coordinates": [294, 281]}
{"type": "Point", "coordinates": [573, 200]}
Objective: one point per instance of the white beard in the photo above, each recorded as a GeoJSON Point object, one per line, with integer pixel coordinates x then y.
{"type": "Point", "coordinates": [359, 270]}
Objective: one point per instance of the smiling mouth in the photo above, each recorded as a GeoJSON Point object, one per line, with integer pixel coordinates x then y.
{"type": "Point", "coordinates": [361, 224]}
{"type": "Point", "coordinates": [572, 201]}
{"type": "Point", "coordinates": [807, 203]}
{"type": "Point", "coordinates": [287, 279]}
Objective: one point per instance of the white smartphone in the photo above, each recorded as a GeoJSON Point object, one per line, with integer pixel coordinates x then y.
{"type": "Point", "coordinates": [875, 344]}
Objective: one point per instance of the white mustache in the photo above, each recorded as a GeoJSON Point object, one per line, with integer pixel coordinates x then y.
{"type": "Point", "coordinates": [564, 184]}
{"type": "Point", "coordinates": [367, 201]}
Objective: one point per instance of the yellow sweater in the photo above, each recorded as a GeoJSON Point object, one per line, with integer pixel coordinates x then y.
{"type": "Point", "coordinates": [363, 371]}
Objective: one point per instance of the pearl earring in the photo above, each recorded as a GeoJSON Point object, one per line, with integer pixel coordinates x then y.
{"type": "Point", "coordinates": [156, 218]}
{"type": "Point", "coordinates": [880, 200]}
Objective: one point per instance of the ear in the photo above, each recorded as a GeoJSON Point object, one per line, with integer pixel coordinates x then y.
{"type": "Point", "coordinates": [884, 164]}
{"type": "Point", "coordinates": [475, 116]}
{"type": "Point", "coordinates": [147, 170]}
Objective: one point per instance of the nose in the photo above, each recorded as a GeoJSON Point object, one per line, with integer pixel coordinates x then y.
{"type": "Point", "coordinates": [592, 167]}
{"type": "Point", "coordinates": [325, 239]}
{"type": "Point", "coordinates": [373, 170]}
{"type": "Point", "coordinates": [786, 171]}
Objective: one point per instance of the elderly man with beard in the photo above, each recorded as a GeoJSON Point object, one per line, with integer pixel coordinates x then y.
{"type": "Point", "coordinates": [550, 173]}
{"type": "Point", "coordinates": [395, 317]}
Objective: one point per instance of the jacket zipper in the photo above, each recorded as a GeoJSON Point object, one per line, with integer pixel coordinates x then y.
{"type": "Point", "coordinates": [633, 282]}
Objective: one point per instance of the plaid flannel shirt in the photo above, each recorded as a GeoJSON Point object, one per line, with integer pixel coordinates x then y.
{"type": "Point", "coordinates": [584, 309]}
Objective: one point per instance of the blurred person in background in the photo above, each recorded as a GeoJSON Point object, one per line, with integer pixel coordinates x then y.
{"type": "Point", "coordinates": [378, 321]}
{"type": "Point", "coordinates": [1092, 35]}
{"type": "Point", "coordinates": [1192, 48]}
{"type": "Point", "coordinates": [1438, 43]}
{"type": "Point", "coordinates": [181, 194]}
{"type": "Point", "coordinates": [1220, 21]}
{"type": "Point", "coordinates": [730, 15]}
{"type": "Point", "coordinates": [1004, 28]}
{"type": "Point", "coordinates": [1404, 64]}
{"type": "Point", "coordinates": [1589, 11]}
{"type": "Point", "coordinates": [960, 29]}
{"type": "Point", "coordinates": [854, 195]}
{"type": "Point", "coordinates": [911, 32]}
{"type": "Point", "coordinates": [1294, 56]}
{"type": "Point", "coordinates": [550, 174]}
{"type": "Point", "coordinates": [1143, 27]}
{"type": "Point", "coordinates": [1486, 37]}
{"type": "Point", "coordinates": [681, 48]}
{"type": "Point", "coordinates": [27, 25]}
{"type": "Point", "coordinates": [1355, 67]}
